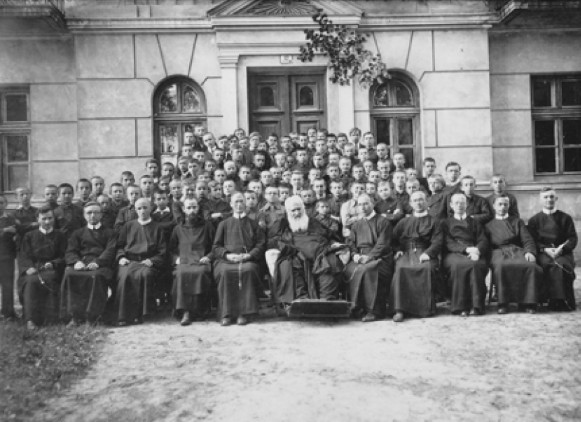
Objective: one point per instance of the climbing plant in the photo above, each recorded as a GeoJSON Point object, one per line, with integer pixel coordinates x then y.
{"type": "Point", "coordinates": [348, 57]}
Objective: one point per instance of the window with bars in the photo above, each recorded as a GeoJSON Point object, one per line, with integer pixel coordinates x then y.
{"type": "Point", "coordinates": [556, 111]}
{"type": "Point", "coordinates": [14, 138]}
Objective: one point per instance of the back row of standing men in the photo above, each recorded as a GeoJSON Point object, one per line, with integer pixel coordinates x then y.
{"type": "Point", "coordinates": [303, 255]}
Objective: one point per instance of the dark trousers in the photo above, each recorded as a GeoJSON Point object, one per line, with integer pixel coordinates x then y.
{"type": "Point", "coordinates": [7, 286]}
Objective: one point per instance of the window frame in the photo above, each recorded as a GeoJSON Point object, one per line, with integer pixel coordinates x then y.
{"type": "Point", "coordinates": [393, 113]}
{"type": "Point", "coordinates": [178, 117]}
{"type": "Point", "coordinates": [557, 113]}
{"type": "Point", "coordinates": [14, 128]}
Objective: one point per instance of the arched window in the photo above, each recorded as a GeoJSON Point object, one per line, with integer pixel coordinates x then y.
{"type": "Point", "coordinates": [395, 116]}
{"type": "Point", "coordinates": [179, 105]}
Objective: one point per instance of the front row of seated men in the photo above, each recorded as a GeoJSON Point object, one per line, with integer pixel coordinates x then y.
{"type": "Point", "coordinates": [379, 267]}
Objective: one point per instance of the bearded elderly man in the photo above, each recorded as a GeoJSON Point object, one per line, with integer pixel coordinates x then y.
{"type": "Point", "coordinates": [370, 270]}
{"type": "Point", "coordinates": [307, 266]}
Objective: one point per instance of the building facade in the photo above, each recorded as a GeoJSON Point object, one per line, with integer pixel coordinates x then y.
{"type": "Point", "coordinates": [98, 86]}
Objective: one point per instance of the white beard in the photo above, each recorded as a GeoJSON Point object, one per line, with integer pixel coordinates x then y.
{"type": "Point", "coordinates": [298, 224]}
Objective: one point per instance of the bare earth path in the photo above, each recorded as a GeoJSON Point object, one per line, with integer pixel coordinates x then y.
{"type": "Point", "coordinates": [515, 367]}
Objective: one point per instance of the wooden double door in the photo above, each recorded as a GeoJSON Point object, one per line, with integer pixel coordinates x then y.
{"type": "Point", "coordinates": [283, 103]}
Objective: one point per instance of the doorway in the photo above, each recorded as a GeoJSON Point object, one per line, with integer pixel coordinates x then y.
{"type": "Point", "coordinates": [283, 102]}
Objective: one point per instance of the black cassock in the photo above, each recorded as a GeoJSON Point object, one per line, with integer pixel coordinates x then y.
{"type": "Point", "coordinates": [466, 278]}
{"type": "Point", "coordinates": [412, 287]}
{"type": "Point", "coordinates": [306, 266]}
{"type": "Point", "coordinates": [237, 281]}
{"type": "Point", "coordinates": [84, 293]}
{"type": "Point", "coordinates": [551, 231]}
{"type": "Point", "coordinates": [190, 242]}
{"type": "Point", "coordinates": [39, 293]}
{"type": "Point", "coordinates": [516, 279]}
{"type": "Point", "coordinates": [135, 281]}
{"type": "Point", "coordinates": [368, 283]}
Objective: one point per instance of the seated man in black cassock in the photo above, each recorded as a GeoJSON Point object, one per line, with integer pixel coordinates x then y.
{"type": "Point", "coordinates": [556, 238]}
{"type": "Point", "coordinates": [513, 262]}
{"type": "Point", "coordinates": [371, 267]}
{"type": "Point", "coordinates": [464, 259]}
{"type": "Point", "coordinates": [238, 249]}
{"type": "Point", "coordinates": [191, 248]}
{"type": "Point", "coordinates": [141, 250]}
{"type": "Point", "coordinates": [307, 267]}
{"type": "Point", "coordinates": [90, 256]}
{"type": "Point", "coordinates": [41, 262]}
{"type": "Point", "coordinates": [417, 241]}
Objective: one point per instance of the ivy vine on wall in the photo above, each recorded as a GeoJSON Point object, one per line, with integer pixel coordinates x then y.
{"type": "Point", "coordinates": [348, 57]}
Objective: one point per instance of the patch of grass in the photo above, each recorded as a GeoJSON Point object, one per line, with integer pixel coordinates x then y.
{"type": "Point", "coordinates": [36, 365]}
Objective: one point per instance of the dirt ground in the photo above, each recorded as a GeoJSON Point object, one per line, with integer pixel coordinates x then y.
{"type": "Point", "coordinates": [514, 367]}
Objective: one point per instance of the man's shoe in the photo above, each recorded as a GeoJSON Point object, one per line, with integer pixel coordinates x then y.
{"type": "Point", "coordinates": [287, 309]}
{"type": "Point", "coordinates": [31, 326]}
{"type": "Point", "coordinates": [121, 323]}
{"type": "Point", "coordinates": [369, 317]}
{"type": "Point", "coordinates": [464, 313]}
{"type": "Point", "coordinates": [475, 312]}
{"type": "Point", "coordinates": [502, 310]}
{"type": "Point", "coordinates": [186, 320]}
{"type": "Point", "coordinates": [532, 310]}
{"type": "Point", "coordinates": [72, 323]}
{"type": "Point", "coordinates": [225, 322]}
{"type": "Point", "coordinates": [398, 317]}
{"type": "Point", "coordinates": [242, 320]}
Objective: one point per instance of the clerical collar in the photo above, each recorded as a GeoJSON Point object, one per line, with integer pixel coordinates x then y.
{"type": "Point", "coordinates": [44, 231]}
{"type": "Point", "coordinates": [501, 217]}
{"type": "Point", "coordinates": [160, 211]}
{"type": "Point", "coordinates": [461, 217]}
{"type": "Point", "coordinates": [21, 207]}
{"type": "Point", "coordinates": [94, 227]}
{"type": "Point", "coordinates": [240, 215]}
{"type": "Point", "coordinates": [420, 214]}
{"type": "Point", "coordinates": [370, 216]}
{"type": "Point", "coordinates": [549, 212]}
{"type": "Point", "coordinates": [144, 223]}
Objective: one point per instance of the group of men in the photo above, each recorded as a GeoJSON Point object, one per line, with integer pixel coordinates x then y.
{"type": "Point", "coordinates": [308, 216]}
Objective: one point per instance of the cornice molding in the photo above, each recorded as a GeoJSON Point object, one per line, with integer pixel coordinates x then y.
{"type": "Point", "coordinates": [428, 21]}
{"type": "Point", "coordinates": [133, 25]}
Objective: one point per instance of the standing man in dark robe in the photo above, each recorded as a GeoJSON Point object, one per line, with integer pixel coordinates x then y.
{"type": "Point", "coordinates": [556, 238]}
{"type": "Point", "coordinates": [513, 262]}
{"type": "Point", "coordinates": [25, 214]}
{"type": "Point", "coordinates": [68, 216]}
{"type": "Point", "coordinates": [371, 267]}
{"type": "Point", "coordinates": [464, 262]}
{"type": "Point", "coordinates": [90, 256]}
{"type": "Point", "coordinates": [238, 249]}
{"type": "Point", "coordinates": [191, 248]}
{"type": "Point", "coordinates": [437, 206]}
{"type": "Point", "coordinates": [8, 227]}
{"type": "Point", "coordinates": [477, 207]}
{"type": "Point", "coordinates": [417, 242]}
{"type": "Point", "coordinates": [141, 251]}
{"type": "Point", "coordinates": [307, 266]}
{"type": "Point", "coordinates": [41, 262]}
